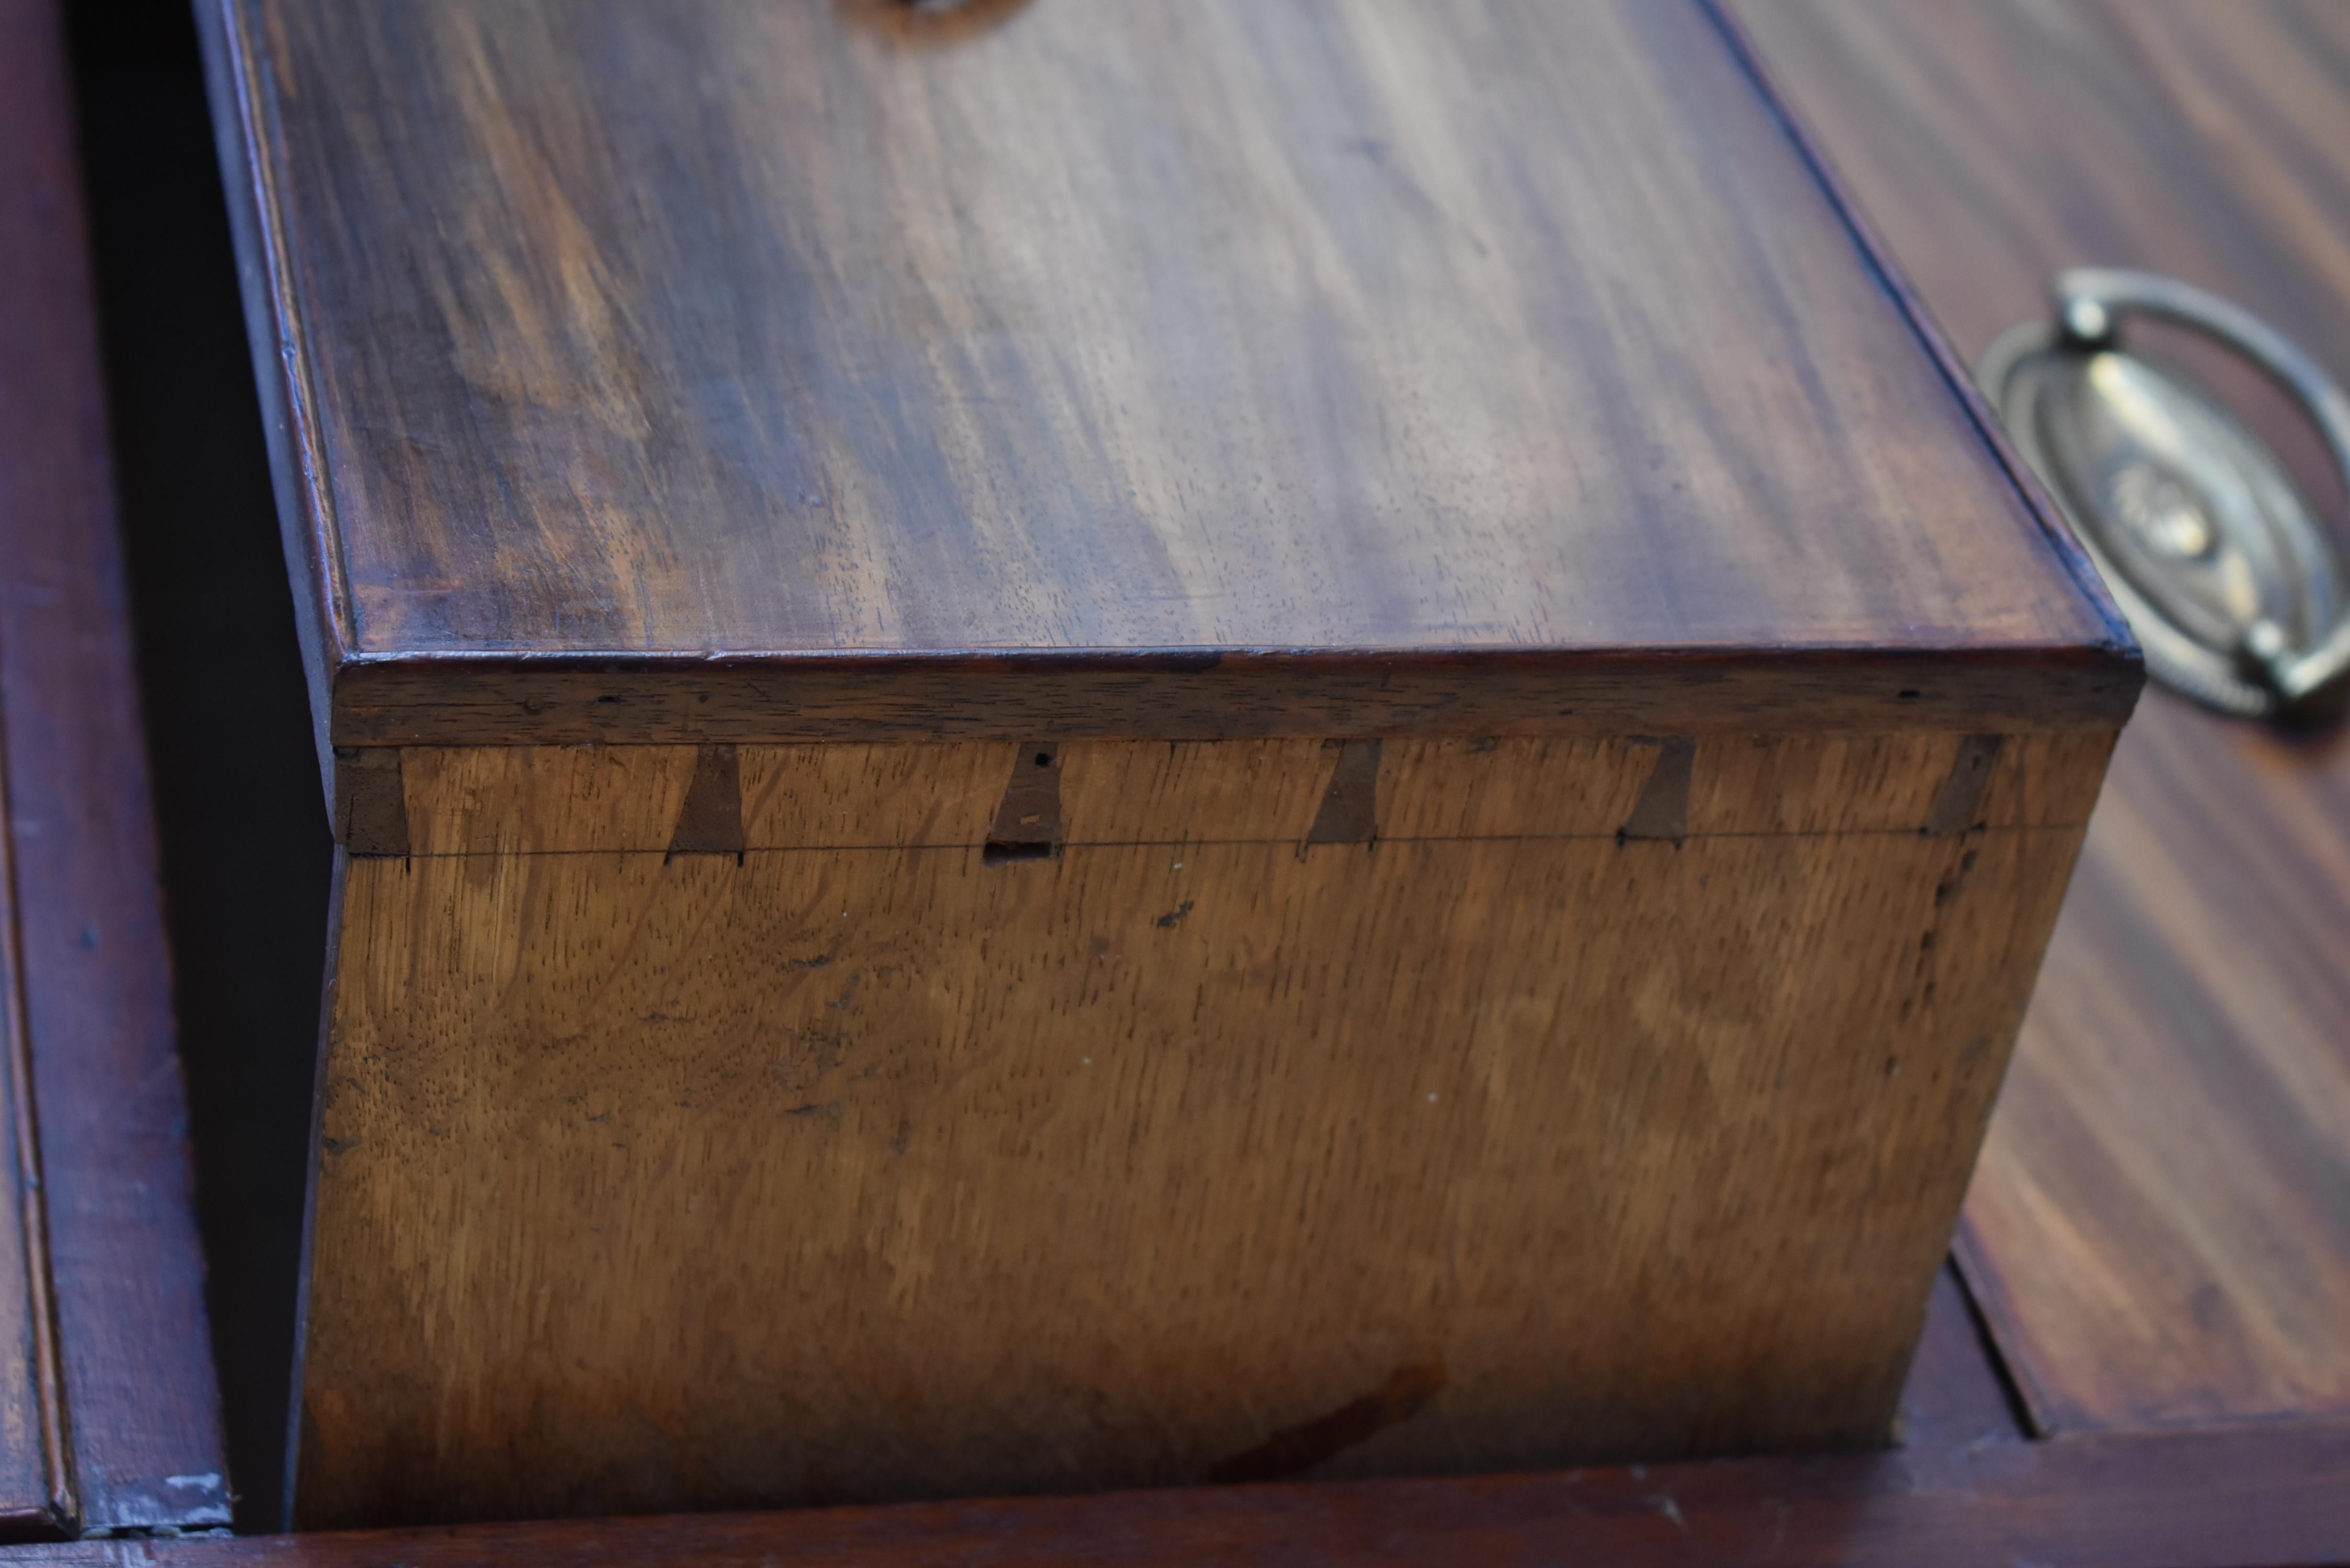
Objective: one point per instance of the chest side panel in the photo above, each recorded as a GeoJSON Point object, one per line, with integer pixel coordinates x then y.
{"type": "Point", "coordinates": [1003, 1118]}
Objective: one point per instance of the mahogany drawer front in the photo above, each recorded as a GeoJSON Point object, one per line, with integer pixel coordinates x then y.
{"type": "Point", "coordinates": [2160, 1230]}
{"type": "Point", "coordinates": [1077, 748]}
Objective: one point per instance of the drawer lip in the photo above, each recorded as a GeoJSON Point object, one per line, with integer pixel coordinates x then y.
{"type": "Point", "coordinates": [1996, 155]}
{"type": "Point", "coordinates": [533, 699]}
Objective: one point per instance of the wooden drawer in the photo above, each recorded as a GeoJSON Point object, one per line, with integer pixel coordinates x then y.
{"type": "Point", "coordinates": [1077, 747]}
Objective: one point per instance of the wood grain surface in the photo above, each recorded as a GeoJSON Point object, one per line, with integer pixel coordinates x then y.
{"type": "Point", "coordinates": [2160, 1230]}
{"type": "Point", "coordinates": [865, 1163]}
{"type": "Point", "coordinates": [533, 800]}
{"type": "Point", "coordinates": [36, 1496]}
{"type": "Point", "coordinates": [246, 854]}
{"type": "Point", "coordinates": [625, 337]}
{"type": "Point", "coordinates": [1962, 1493]}
{"type": "Point", "coordinates": [857, 698]}
{"type": "Point", "coordinates": [87, 962]}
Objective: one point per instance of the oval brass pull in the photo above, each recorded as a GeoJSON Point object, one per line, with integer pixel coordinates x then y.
{"type": "Point", "coordinates": [2232, 586]}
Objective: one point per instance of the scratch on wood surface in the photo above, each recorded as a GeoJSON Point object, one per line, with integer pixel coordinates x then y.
{"type": "Point", "coordinates": [1294, 1449]}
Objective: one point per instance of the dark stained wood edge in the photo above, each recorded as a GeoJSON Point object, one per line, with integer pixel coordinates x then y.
{"type": "Point", "coordinates": [1662, 810]}
{"type": "Point", "coordinates": [776, 699]}
{"type": "Point", "coordinates": [1028, 824]}
{"type": "Point", "coordinates": [29, 1524]}
{"type": "Point", "coordinates": [55, 1515]}
{"type": "Point", "coordinates": [1956, 372]}
{"type": "Point", "coordinates": [371, 802]}
{"type": "Point", "coordinates": [711, 820]}
{"type": "Point", "coordinates": [1955, 1399]}
{"type": "Point", "coordinates": [1350, 812]}
{"type": "Point", "coordinates": [2268, 1496]}
{"type": "Point", "coordinates": [140, 1408]}
{"type": "Point", "coordinates": [1987, 1289]}
{"type": "Point", "coordinates": [244, 124]}
{"type": "Point", "coordinates": [301, 1349]}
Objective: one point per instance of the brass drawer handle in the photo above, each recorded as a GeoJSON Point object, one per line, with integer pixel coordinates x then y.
{"type": "Point", "coordinates": [2232, 586]}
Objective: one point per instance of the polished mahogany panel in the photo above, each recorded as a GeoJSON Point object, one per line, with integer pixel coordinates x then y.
{"type": "Point", "coordinates": [2160, 1229]}
{"type": "Point", "coordinates": [1406, 332]}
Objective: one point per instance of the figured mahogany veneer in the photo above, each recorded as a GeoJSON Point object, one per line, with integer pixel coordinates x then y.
{"type": "Point", "coordinates": [1494, 349]}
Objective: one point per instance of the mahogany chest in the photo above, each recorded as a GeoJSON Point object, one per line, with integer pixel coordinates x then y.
{"type": "Point", "coordinates": [1079, 746]}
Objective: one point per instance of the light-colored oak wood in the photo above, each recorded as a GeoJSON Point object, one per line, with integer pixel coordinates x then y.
{"type": "Point", "coordinates": [855, 1166]}
{"type": "Point", "coordinates": [519, 800]}
{"type": "Point", "coordinates": [524, 800]}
